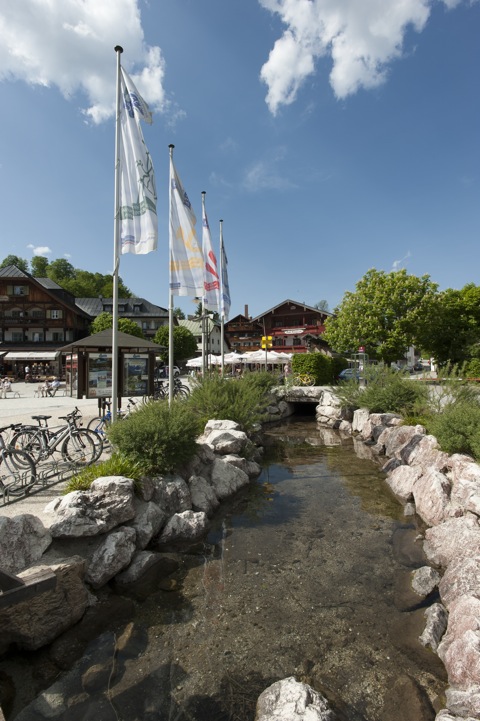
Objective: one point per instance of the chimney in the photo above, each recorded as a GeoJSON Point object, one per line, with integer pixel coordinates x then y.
{"type": "Point", "coordinates": [246, 311]}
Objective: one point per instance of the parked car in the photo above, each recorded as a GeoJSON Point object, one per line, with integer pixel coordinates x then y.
{"type": "Point", "coordinates": [418, 366]}
{"type": "Point", "coordinates": [163, 372]}
{"type": "Point", "coordinates": [349, 374]}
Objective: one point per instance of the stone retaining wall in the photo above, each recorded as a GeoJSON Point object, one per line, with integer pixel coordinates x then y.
{"type": "Point", "coordinates": [444, 491]}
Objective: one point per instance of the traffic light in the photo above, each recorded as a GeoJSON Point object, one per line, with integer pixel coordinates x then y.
{"type": "Point", "coordinates": [266, 341]}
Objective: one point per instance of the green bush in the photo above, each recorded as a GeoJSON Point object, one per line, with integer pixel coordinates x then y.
{"type": "Point", "coordinates": [472, 368]}
{"type": "Point", "coordinates": [457, 428]}
{"type": "Point", "coordinates": [116, 465]}
{"type": "Point", "coordinates": [242, 400]}
{"type": "Point", "coordinates": [315, 364]}
{"type": "Point", "coordinates": [158, 436]}
{"type": "Point", "coordinates": [386, 391]}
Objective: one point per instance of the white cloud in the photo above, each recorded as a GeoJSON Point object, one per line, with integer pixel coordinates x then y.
{"type": "Point", "coordinates": [264, 175]}
{"type": "Point", "coordinates": [360, 38]}
{"type": "Point", "coordinates": [397, 264]}
{"type": "Point", "coordinates": [39, 249]}
{"type": "Point", "coordinates": [70, 45]}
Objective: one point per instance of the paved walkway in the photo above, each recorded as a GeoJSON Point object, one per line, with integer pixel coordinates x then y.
{"type": "Point", "coordinates": [21, 410]}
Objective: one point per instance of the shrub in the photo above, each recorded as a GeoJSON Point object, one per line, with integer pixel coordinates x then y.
{"type": "Point", "coordinates": [314, 364]}
{"type": "Point", "coordinates": [242, 400]}
{"type": "Point", "coordinates": [457, 428]}
{"type": "Point", "coordinates": [387, 391]}
{"type": "Point", "coordinates": [472, 368]}
{"type": "Point", "coordinates": [158, 436]}
{"type": "Point", "coordinates": [116, 465]}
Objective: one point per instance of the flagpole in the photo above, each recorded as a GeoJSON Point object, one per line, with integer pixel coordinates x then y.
{"type": "Point", "coordinates": [222, 314]}
{"type": "Point", "coordinates": [203, 294]}
{"type": "Point", "coordinates": [116, 242]}
{"type": "Point", "coordinates": [170, 307]}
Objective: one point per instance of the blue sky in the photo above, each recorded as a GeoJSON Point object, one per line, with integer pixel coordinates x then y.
{"type": "Point", "coordinates": [330, 137]}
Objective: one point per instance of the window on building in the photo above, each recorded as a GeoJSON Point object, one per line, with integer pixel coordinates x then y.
{"type": "Point", "coordinates": [17, 336]}
{"type": "Point", "coordinates": [18, 289]}
{"type": "Point", "coordinates": [57, 336]}
{"type": "Point", "coordinates": [55, 314]}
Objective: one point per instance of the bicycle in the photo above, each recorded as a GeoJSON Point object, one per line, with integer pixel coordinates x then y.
{"type": "Point", "coordinates": [99, 425]}
{"type": "Point", "coordinates": [303, 379]}
{"type": "Point", "coordinates": [17, 468]}
{"type": "Point", "coordinates": [161, 391]}
{"type": "Point", "coordinates": [77, 445]}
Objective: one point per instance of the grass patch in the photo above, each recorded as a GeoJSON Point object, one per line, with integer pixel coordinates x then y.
{"type": "Point", "coordinates": [116, 465]}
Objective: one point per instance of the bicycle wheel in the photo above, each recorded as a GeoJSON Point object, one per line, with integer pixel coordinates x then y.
{"type": "Point", "coordinates": [28, 440]}
{"type": "Point", "coordinates": [79, 448]}
{"type": "Point", "coordinates": [97, 425]}
{"type": "Point", "coordinates": [17, 472]}
{"type": "Point", "coordinates": [100, 440]}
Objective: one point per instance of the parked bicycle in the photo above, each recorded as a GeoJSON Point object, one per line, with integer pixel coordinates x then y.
{"type": "Point", "coordinates": [161, 391]}
{"type": "Point", "coordinates": [77, 446]}
{"type": "Point", "coordinates": [99, 425]}
{"type": "Point", "coordinates": [17, 468]}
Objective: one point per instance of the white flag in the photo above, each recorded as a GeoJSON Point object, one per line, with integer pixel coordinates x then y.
{"type": "Point", "coordinates": [211, 278]}
{"type": "Point", "coordinates": [224, 288]}
{"type": "Point", "coordinates": [138, 197]}
{"type": "Point", "coordinates": [186, 262]}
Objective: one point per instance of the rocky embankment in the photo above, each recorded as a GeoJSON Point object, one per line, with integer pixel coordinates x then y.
{"type": "Point", "coordinates": [444, 490]}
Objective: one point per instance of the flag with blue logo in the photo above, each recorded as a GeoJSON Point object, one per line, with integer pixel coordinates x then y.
{"type": "Point", "coordinates": [137, 193]}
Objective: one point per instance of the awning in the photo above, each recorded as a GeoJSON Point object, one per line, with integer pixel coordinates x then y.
{"type": "Point", "coordinates": [33, 355]}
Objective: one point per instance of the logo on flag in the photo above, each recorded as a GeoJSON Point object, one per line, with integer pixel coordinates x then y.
{"type": "Point", "coordinates": [137, 192]}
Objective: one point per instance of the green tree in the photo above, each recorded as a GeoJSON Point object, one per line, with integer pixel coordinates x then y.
{"type": "Point", "coordinates": [451, 333]}
{"type": "Point", "coordinates": [105, 320]}
{"type": "Point", "coordinates": [385, 314]}
{"type": "Point", "coordinates": [39, 266]}
{"type": "Point", "coordinates": [21, 263]}
{"type": "Point", "coordinates": [61, 270]}
{"type": "Point", "coordinates": [184, 343]}
{"type": "Point", "coordinates": [321, 305]}
{"type": "Point", "coordinates": [178, 313]}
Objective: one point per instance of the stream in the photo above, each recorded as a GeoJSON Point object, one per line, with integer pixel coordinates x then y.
{"type": "Point", "coordinates": [304, 573]}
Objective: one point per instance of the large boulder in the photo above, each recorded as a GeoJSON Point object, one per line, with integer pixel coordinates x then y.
{"type": "Point", "coordinates": [452, 538]}
{"type": "Point", "coordinates": [290, 700]}
{"type": "Point", "coordinates": [460, 646]}
{"type": "Point", "coordinates": [172, 495]}
{"type": "Point", "coordinates": [431, 493]}
{"type": "Point", "coordinates": [227, 479]}
{"type": "Point", "coordinates": [149, 519]}
{"type": "Point", "coordinates": [111, 556]}
{"type": "Point", "coordinates": [36, 622]}
{"type": "Point", "coordinates": [466, 484]}
{"type": "Point", "coordinates": [461, 578]}
{"type": "Point", "coordinates": [23, 540]}
{"type": "Point", "coordinates": [188, 527]}
{"type": "Point", "coordinates": [437, 617]}
{"type": "Point", "coordinates": [107, 504]}
{"type": "Point", "coordinates": [224, 441]}
{"type": "Point", "coordinates": [142, 561]}
{"type": "Point", "coordinates": [401, 481]}
{"type": "Point", "coordinates": [203, 495]}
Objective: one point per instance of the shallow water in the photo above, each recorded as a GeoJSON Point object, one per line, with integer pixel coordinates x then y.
{"type": "Point", "coordinates": [299, 576]}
